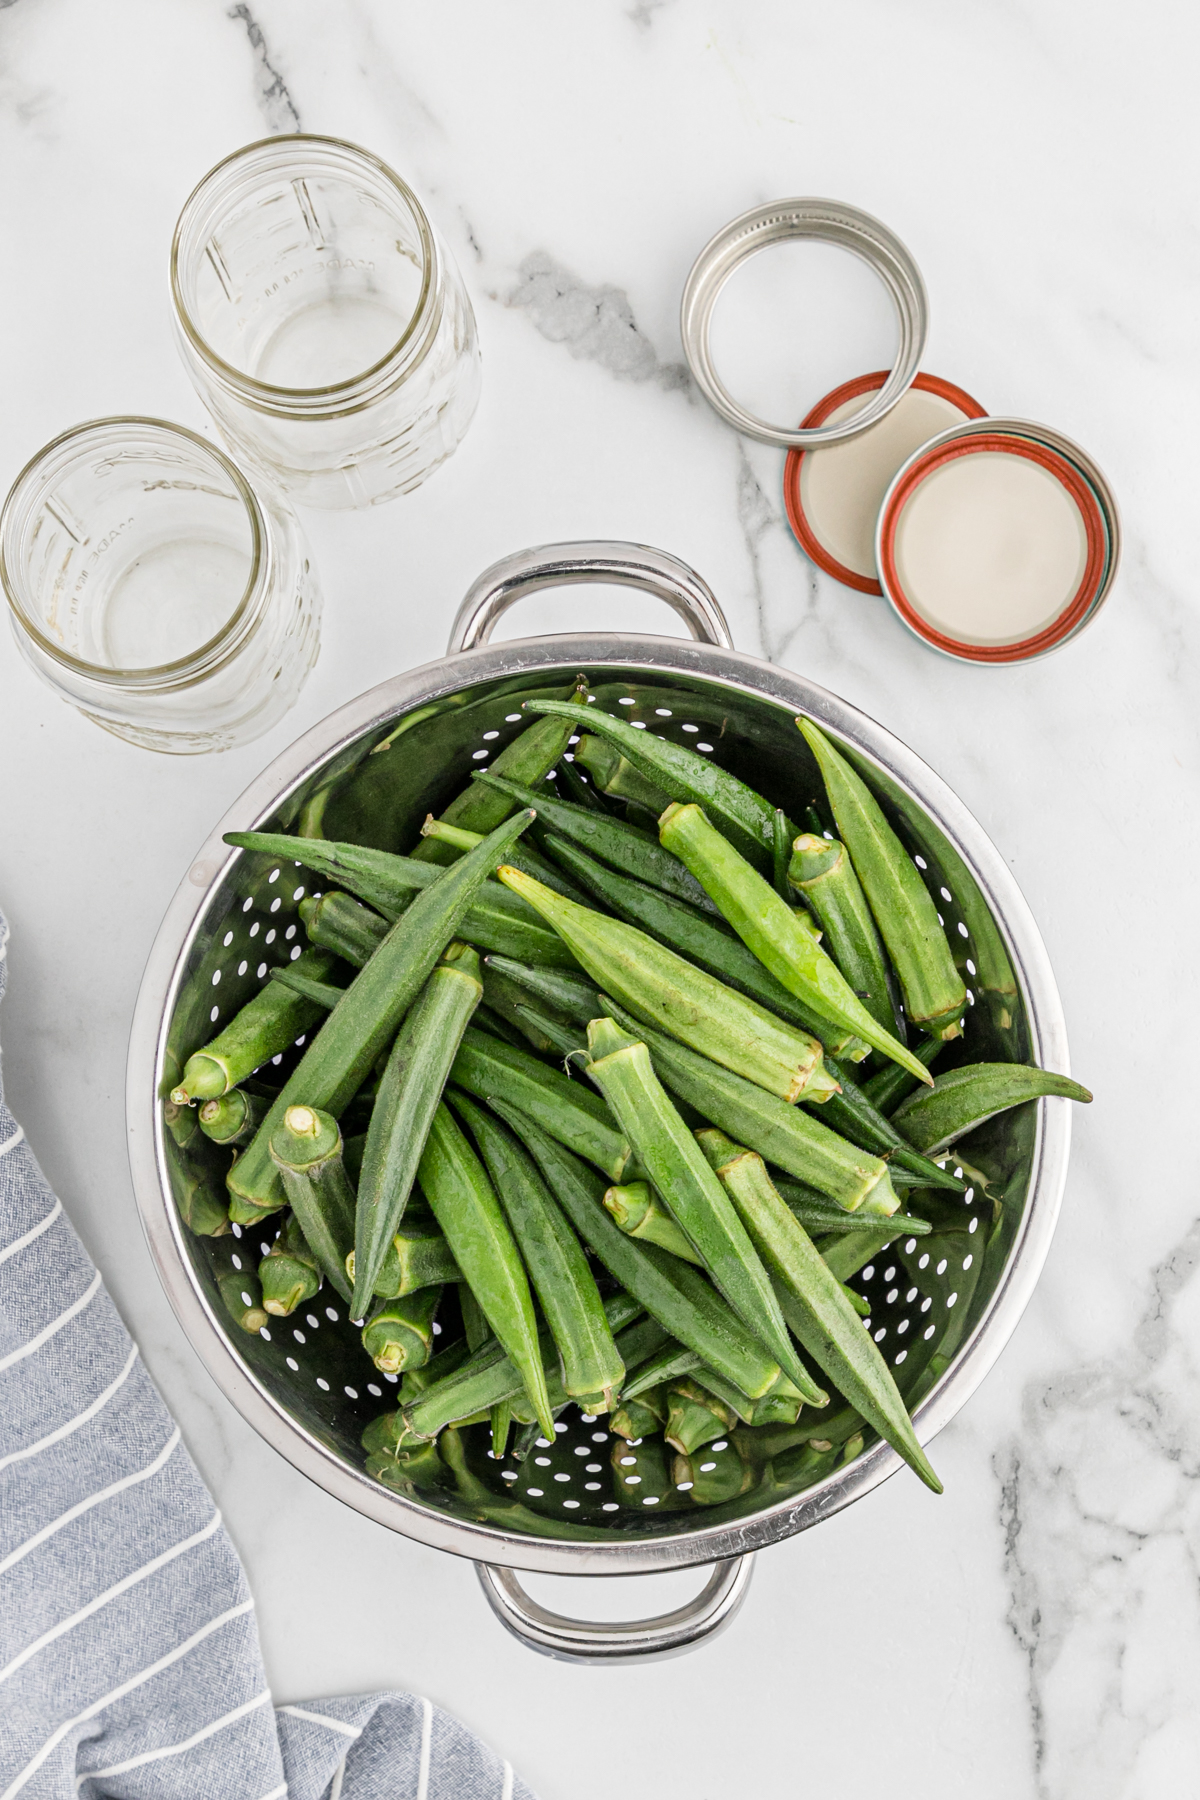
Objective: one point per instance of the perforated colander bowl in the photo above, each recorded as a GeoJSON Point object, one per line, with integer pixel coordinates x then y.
{"type": "Point", "coordinates": [942, 1307]}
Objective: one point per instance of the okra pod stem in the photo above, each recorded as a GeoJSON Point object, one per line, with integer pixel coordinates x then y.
{"type": "Point", "coordinates": [288, 1274]}
{"type": "Point", "coordinates": [814, 1303]}
{"type": "Point", "coordinates": [340, 1057]}
{"type": "Point", "coordinates": [677, 1295]}
{"type": "Point", "coordinates": [466, 1208]}
{"type": "Point", "coordinates": [933, 990]}
{"type": "Point", "coordinates": [623, 846]}
{"type": "Point", "coordinates": [233, 1118]}
{"type": "Point", "coordinates": [963, 1098]}
{"type": "Point", "coordinates": [616, 776]}
{"type": "Point", "coordinates": [639, 1213]}
{"type": "Point", "coordinates": [821, 871]}
{"type": "Point", "coordinates": [713, 1477]}
{"type": "Point", "coordinates": [783, 1134]}
{"type": "Point", "coordinates": [620, 1065]}
{"type": "Point", "coordinates": [567, 1109]}
{"type": "Point", "coordinates": [636, 1419]}
{"type": "Point", "coordinates": [268, 1024]}
{"type": "Point", "coordinates": [768, 926]}
{"type": "Point", "coordinates": [744, 816]}
{"type": "Point", "coordinates": [700, 939]}
{"type": "Point", "coordinates": [242, 1298]}
{"type": "Point", "coordinates": [409, 1092]}
{"type": "Point", "coordinates": [667, 991]}
{"type": "Point", "coordinates": [400, 1334]}
{"type": "Point", "coordinates": [306, 1148]}
{"type": "Point", "coordinates": [695, 1417]}
{"type": "Point", "coordinates": [557, 1266]}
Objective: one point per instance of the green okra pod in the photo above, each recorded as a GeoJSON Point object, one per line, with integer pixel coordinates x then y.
{"type": "Point", "coordinates": [934, 991]}
{"type": "Point", "coordinates": [493, 920]}
{"type": "Point", "coordinates": [846, 1255]}
{"type": "Point", "coordinates": [325, 994]}
{"type": "Point", "coordinates": [935, 1118]}
{"type": "Point", "coordinates": [465, 1206]}
{"type": "Point", "coordinates": [616, 776]}
{"type": "Point", "coordinates": [780, 851]}
{"type": "Point", "coordinates": [639, 1341]}
{"type": "Point", "coordinates": [419, 1381]}
{"type": "Point", "coordinates": [620, 1065]}
{"type": "Point", "coordinates": [700, 939]}
{"type": "Point", "coordinates": [641, 1475]}
{"type": "Point", "coordinates": [233, 1118]}
{"type": "Point", "coordinates": [567, 1109]}
{"type": "Point", "coordinates": [525, 857]}
{"type": "Point", "coordinates": [577, 788]}
{"type": "Point", "coordinates": [613, 841]}
{"type": "Point", "coordinates": [289, 1274]}
{"type": "Point", "coordinates": [409, 1092]}
{"type": "Point", "coordinates": [400, 1334]}
{"type": "Point", "coordinates": [558, 1269]}
{"type": "Point", "coordinates": [338, 922]}
{"type": "Point", "coordinates": [710, 1477]}
{"type": "Point", "coordinates": [540, 1027]}
{"type": "Point", "coordinates": [407, 1471]}
{"type": "Point", "coordinates": [504, 999]}
{"type": "Point", "coordinates": [242, 1298]}
{"type": "Point", "coordinates": [770, 928]}
{"type": "Point", "coordinates": [783, 1134]}
{"type": "Point", "coordinates": [639, 1213]}
{"type": "Point", "coordinates": [486, 1020]}
{"type": "Point", "coordinates": [893, 1084]}
{"type": "Point", "coordinates": [641, 1418]}
{"type": "Point", "coordinates": [695, 1417]}
{"type": "Point", "coordinates": [197, 1182]}
{"type": "Point", "coordinates": [488, 1377]}
{"type": "Point", "coordinates": [814, 1302]}
{"type": "Point", "coordinates": [306, 1148]}
{"type": "Point", "coordinates": [851, 1113]}
{"type": "Point", "coordinates": [820, 870]}
{"type": "Point", "coordinates": [819, 1215]}
{"type": "Point", "coordinates": [528, 759]}
{"type": "Point", "coordinates": [340, 1057]}
{"type": "Point", "coordinates": [417, 1257]}
{"type": "Point", "coordinates": [675, 1293]}
{"type": "Point", "coordinates": [744, 816]}
{"type": "Point", "coordinates": [570, 994]}
{"type": "Point", "coordinates": [667, 1364]}
{"type": "Point", "coordinates": [667, 991]}
{"type": "Point", "coordinates": [268, 1024]}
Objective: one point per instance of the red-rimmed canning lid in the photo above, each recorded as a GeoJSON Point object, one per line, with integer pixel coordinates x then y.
{"type": "Point", "coordinates": [1011, 440]}
{"type": "Point", "coordinates": [794, 468]}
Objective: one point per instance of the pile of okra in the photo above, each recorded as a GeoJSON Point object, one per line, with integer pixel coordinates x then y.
{"type": "Point", "coordinates": [644, 1069]}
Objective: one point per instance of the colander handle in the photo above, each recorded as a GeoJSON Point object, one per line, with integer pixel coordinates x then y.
{"type": "Point", "coordinates": [564, 565]}
{"type": "Point", "coordinates": [629, 1641]}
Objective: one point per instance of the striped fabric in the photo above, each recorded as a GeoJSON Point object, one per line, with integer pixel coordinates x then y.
{"type": "Point", "coordinates": [129, 1657]}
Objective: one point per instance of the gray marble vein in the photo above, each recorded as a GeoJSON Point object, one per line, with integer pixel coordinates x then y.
{"type": "Point", "coordinates": [278, 109]}
{"type": "Point", "coordinates": [596, 324]}
{"type": "Point", "coordinates": [1100, 1508]}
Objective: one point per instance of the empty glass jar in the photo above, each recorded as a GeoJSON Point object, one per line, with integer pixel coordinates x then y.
{"type": "Point", "coordinates": [152, 586]}
{"type": "Point", "coordinates": [322, 321]}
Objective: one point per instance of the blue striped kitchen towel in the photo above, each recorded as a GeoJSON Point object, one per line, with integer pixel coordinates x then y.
{"type": "Point", "coordinates": [129, 1656]}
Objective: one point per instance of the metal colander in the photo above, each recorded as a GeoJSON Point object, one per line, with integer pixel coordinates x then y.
{"type": "Point", "coordinates": [941, 1307]}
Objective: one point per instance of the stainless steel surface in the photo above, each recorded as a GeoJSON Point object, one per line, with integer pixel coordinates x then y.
{"type": "Point", "coordinates": [625, 1641]}
{"type": "Point", "coordinates": [829, 222]}
{"type": "Point", "coordinates": [430, 720]}
{"type": "Point", "coordinates": [566, 565]}
{"type": "Point", "coordinates": [1054, 440]}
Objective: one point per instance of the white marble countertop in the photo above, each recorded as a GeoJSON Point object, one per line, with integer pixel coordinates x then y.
{"type": "Point", "coordinates": [1037, 1631]}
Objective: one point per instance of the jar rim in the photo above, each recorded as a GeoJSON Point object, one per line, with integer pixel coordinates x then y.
{"type": "Point", "coordinates": [207, 658]}
{"type": "Point", "coordinates": [268, 150]}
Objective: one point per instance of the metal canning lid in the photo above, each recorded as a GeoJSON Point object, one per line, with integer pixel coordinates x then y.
{"type": "Point", "coordinates": [998, 541]}
{"type": "Point", "coordinates": [830, 222]}
{"type": "Point", "coordinates": [832, 496]}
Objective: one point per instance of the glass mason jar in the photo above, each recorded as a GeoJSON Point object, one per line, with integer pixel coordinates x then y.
{"type": "Point", "coordinates": [150, 585]}
{"type": "Point", "coordinates": [322, 321]}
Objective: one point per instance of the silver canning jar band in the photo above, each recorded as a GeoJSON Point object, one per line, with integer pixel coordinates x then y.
{"type": "Point", "coordinates": [322, 321]}
{"type": "Point", "coordinates": [154, 587]}
{"type": "Point", "coordinates": [779, 222]}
